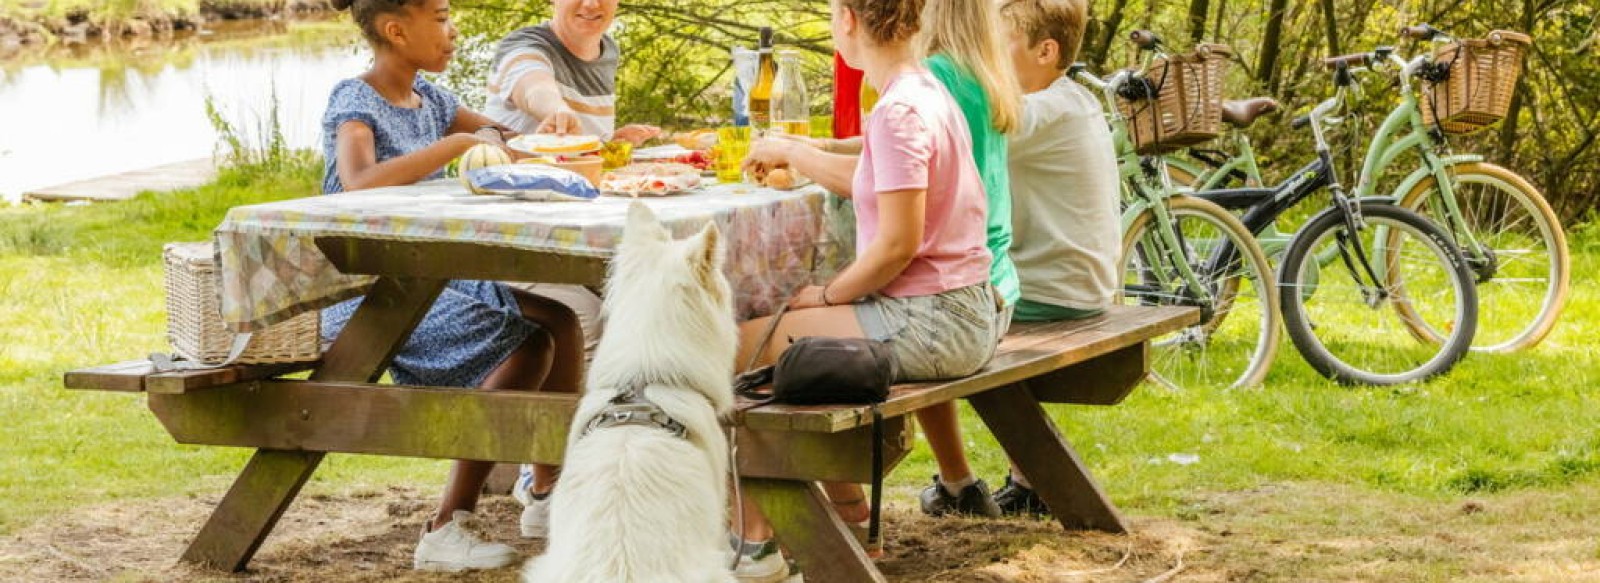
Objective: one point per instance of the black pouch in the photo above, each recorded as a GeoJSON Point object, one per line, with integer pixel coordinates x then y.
{"type": "Point", "coordinates": [819, 370]}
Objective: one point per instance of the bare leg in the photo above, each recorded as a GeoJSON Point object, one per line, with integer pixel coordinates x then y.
{"type": "Point", "coordinates": [566, 370]}
{"type": "Point", "coordinates": [528, 366]}
{"type": "Point", "coordinates": [942, 427]}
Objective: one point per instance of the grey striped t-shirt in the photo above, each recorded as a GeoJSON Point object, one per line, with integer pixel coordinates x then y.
{"type": "Point", "coordinates": [588, 87]}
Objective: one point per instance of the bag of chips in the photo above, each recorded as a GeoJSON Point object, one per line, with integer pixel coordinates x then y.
{"type": "Point", "coordinates": [532, 182]}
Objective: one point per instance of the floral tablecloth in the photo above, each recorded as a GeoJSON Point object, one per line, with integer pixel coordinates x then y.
{"type": "Point", "coordinates": [271, 269]}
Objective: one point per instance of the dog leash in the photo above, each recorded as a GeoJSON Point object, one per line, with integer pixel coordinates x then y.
{"type": "Point", "coordinates": [743, 385]}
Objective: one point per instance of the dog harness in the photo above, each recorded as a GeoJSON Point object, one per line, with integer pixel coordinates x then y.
{"type": "Point", "coordinates": [630, 407]}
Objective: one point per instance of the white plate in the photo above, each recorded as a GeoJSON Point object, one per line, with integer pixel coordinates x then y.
{"type": "Point", "coordinates": [663, 152]}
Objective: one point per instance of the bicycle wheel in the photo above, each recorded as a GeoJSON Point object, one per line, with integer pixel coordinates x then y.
{"type": "Point", "coordinates": [1237, 338]}
{"type": "Point", "coordinates": [1523, 270]}
{"type": "Point", "coordinates": [1351, 331]}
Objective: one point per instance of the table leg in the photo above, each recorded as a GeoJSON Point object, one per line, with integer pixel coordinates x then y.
{"type": "Point", "coordinates": [1052, 467]}
{"type": "Point", "coordinates": [251, 507]}
{"type": "Point", "coordinates": [806, 523]}
{"type": "Point", "coordinates": [272, 478]}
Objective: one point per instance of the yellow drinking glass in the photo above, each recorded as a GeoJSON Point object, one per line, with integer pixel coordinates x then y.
{"type": "Point", "coordinates": [733, 144]}
{"type": "Point", "coordinates": [616, 154]}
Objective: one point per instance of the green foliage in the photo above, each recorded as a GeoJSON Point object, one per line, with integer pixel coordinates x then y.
{"type": "Point", "coordinates": [262, 151]}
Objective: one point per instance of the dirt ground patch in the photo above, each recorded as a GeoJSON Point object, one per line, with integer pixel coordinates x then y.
{"type": "Point", "coordinates": [1278, 533]}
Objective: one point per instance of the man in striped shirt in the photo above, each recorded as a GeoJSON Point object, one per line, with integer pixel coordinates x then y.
{"type": "Point", "coordinates": [560, 76]}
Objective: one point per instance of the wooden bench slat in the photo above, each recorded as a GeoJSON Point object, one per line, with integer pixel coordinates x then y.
{"type": "Point", "coordinates": [123, 376]}
{"type": "Point", "coordinates": [141, 375]}
{"type": "Point", "coordinates": [184, 381]}
{"type": "Point", "coordinates": [1032, 350]}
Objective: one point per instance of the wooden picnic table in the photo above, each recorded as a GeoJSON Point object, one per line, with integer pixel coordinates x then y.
{"type": "Point", "coordinates": [783, 450]}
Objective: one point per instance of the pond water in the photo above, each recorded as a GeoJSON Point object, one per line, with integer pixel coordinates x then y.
{"type": "Point", "coordinates": [71, 113]}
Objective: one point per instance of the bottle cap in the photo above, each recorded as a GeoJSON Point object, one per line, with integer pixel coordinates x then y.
{"type": "Point", "coordinates": [766, 37]}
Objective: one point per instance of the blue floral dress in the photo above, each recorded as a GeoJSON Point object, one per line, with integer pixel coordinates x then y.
{"type": "Point", "coordinates": [473, 325]}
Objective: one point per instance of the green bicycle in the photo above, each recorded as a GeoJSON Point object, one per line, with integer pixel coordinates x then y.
{"type": "Point", "coordinates": [1180, 250]}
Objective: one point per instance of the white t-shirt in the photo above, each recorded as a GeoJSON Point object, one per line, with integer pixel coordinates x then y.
{"type": "Point", "coordinates": [1064, 213]}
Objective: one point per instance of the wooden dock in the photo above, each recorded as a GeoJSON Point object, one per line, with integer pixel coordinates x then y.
{"type": "Point", "coordinates": [125, 185]}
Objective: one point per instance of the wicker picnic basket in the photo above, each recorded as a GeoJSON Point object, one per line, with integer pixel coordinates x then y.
{"type": "Point", "coordinates": [1482, 76]}
{"type": "Point", "coordinates": [1182, 105]}
{"type": "Point", "coordinates": [194, 316]}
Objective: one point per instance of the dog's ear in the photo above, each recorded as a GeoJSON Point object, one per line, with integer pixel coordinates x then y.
{"type": "Point", "coordinates": [642, 222]}
{"type": "Point", "coordinates": [705, 254]}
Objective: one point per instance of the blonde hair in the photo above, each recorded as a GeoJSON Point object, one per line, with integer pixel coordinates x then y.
{"type": "Point", "coordinates": [1060, 20]}
{"type": "Point", "coordinates": [968, 31]}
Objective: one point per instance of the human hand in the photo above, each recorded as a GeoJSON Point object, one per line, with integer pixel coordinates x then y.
{"type": "Point", "coordinates": [637, 134]}
{"type": "Point", "coordinates": [562, 122]}
{"type": "Point", "coordinates": [486, 136]}
{"type": "Point", "coordinates": [808, 297]}
{"type": "Point", "coordinates": [768, 153]}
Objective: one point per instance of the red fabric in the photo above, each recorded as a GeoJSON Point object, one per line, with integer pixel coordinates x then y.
{"type": "Point", "coordinates": [846, 99]}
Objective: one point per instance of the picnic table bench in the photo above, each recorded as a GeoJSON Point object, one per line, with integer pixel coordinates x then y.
{"type": "Point", "coordinates": [783, 450]}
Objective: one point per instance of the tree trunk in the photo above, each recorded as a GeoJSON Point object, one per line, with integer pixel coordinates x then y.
{"type": "Point", "coordinates": [1222, 12]}
{"type": "Point", "coordinates": [1108, 35]}
{"type": "Point", "coordinates": [1508, 128]}
{"type": "Point", "coordinates": [1197, 19]}
{"type": "Point", "coordinates": [1266, 74]}
{"type": "Point", "coordinates": [1332, 23]}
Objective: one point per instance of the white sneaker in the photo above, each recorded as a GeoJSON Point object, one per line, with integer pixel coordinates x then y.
{"type": "Point", "coordinates": [453, 548]}
{"type": "Point", "coordinates": [535, 521]}
{"type": "Point", "coordinates": [761, 563]}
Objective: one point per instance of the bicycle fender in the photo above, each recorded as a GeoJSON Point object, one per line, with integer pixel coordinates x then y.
{"type": "Point", "coordinates": [1420, 174]}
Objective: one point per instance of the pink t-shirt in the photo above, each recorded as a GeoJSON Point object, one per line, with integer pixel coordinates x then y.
{"type": "Point", "coordinates": [917, 139]}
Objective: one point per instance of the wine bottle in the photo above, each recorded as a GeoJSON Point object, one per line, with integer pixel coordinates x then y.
{"type": "Point", "coordinates": [766, 73]}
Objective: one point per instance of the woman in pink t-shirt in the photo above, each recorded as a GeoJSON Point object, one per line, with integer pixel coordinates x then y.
{"type": "Point", "coordinates": [921, 275]}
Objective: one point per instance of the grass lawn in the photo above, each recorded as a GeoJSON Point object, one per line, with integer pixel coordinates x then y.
{"type": "Point", "coordinates": [82, 286]}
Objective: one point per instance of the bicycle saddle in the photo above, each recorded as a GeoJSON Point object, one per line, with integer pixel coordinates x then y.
{"type": "Point", "coordinates": [1241, 113]}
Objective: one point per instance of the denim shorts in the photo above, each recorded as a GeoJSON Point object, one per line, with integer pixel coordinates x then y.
{"type": "Point", "coordinates": [942, 336]}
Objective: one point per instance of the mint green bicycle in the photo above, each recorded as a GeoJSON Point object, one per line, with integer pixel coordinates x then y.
{"type": "Point", "coordinates": [1509, 235]}
{"type": "Point", "coordinates": [1181, 250]}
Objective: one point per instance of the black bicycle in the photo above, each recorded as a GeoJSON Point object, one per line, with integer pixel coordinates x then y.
{"type": "Point", "coordinates": [1360, 280]}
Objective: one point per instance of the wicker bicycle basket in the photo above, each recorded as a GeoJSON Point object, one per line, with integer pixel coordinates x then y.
{"type": "Point", "coordinates": [1483, 75]}
{"type": "Point", "coordinates": [194, 316]}
{"type": "Point", "coordinates": [1186, 103]}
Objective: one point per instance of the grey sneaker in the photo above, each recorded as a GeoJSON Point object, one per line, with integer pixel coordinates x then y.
{"type": "Point", "coordinates": [1017, 500]}
{"type": "Point", "coordinates": [973, 500]}
{"type": "Point", "coordinates": [759, 562]}
{"type": "Point", "coordinates": [454, 548]}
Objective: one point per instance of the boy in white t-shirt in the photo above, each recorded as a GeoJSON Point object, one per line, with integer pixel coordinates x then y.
{"type": "Point", "coordinates": [1066, 231]}
{"type": "Point", "coordinates": [1063, 171]}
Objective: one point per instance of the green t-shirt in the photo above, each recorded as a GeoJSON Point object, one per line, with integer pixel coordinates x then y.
{"type": "Point", "coordinates": [989, 152]}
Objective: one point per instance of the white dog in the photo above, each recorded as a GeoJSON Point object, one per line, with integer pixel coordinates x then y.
{"type": "Point", "coordinates": [647, 500]}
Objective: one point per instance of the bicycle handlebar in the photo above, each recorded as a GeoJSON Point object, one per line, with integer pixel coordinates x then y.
{"type": "Point", "coordinates": [1348, 61]}
{"type": "Point", "coordinates": [1144, 39]}
{"type": "Point", "coordinates": [1422, 31]}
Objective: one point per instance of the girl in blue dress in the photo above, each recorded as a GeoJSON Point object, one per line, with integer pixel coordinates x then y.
{"type": "Point", "coordinates": [392, 127]}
